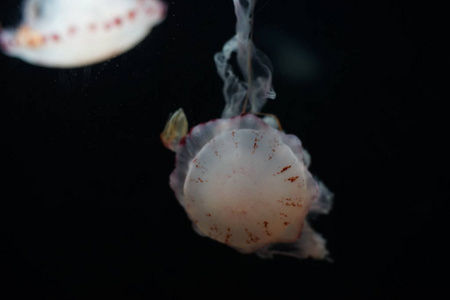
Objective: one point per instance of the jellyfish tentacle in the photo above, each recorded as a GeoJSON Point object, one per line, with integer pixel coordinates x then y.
{"type": "Point", "coordinates": [252, 91]}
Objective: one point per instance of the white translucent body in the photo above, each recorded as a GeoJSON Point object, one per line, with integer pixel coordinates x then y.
{"type": "Point", "coordinates": [242, 181]}
{"type": "Point", "coordinates": [246, 184]}
{"type": "Point", "coordinates": [246, 189]}
{"type": "Point", "coordinates": [74, 33]}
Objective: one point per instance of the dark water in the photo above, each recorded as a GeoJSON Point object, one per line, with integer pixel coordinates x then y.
{"type": "Point", "coordinates": [86, 209]}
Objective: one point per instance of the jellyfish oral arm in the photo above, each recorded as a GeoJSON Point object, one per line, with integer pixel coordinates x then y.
{"type": "Point", "coordinates": [254, 65]}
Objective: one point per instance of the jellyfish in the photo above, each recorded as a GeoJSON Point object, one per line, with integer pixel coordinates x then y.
{"type": "Point", "coordinates": [243, 181]}
{"type": "Point", "coordinates": [76, 33]}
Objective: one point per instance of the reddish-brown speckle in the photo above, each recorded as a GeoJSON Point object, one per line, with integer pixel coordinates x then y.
{"type": "Point", "coordinates": [131, 14]}
{"type": "Point", "coordinates": [199, 179]}
{"type": "Point", "coordinates": [289, 203]}
{"type": "Point", "coordinates": [72, 30]}
{"type": "Point", "coordinates": [286, 223]}
{"type": "Point", "coordinates": [227, 238]}
{"type": "Point", "coordinates": [293, 178]}
{"type": "Point", "coordinates": [255, 145]}
{"type": "Point", "coordinates": [266, 230]}
{"type": "Point", "coordinates": [33, 42]}
{"type": "Point", "coordinates": [92, 27]}
{"type": "Point", "coordinates": [252, 238]}
{"type": "Point", "coordinates": [118, 21]}
{"type": "Point", "coordinates": [284, 169]}
{"type": "Point", "coordinates": [208, 215]}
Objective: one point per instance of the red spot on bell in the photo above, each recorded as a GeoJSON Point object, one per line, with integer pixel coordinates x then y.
{"type": "Point", "coordinates": [131, 14]}
{"type": "Point", "coordinates": [118, 21]}
{"type": "Point", "coordinates": [72, 30]}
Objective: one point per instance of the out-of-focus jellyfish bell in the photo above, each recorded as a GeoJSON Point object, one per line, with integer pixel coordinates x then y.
{"type": "Point", "coordinates": [242, 181]}
{"type": "Point", "coordinates": [75, 33]}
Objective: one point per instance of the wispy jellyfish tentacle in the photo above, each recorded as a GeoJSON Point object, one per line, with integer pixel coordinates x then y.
{"type": "Point", "coordinates": [254, 65]}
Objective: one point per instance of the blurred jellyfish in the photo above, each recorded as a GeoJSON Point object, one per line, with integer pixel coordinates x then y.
{"type": "Point", "coordinates": [75, 33]}
{"type": "Point", "coordinates": [242, 181]}
{"type": "Point", "coordinates": [295, 62]}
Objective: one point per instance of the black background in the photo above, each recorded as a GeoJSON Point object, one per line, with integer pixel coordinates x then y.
{"type": "Point", "coordinates": [86, 209]}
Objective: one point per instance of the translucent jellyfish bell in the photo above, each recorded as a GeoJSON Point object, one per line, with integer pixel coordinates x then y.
{"type": "Point", "coordinates": [74, 33]}
{"type": "Point", "coordinates": [241, 181]}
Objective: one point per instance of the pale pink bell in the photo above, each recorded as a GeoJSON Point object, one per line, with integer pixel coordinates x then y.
{"type": "Point", "coordinates": [246, 184]}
